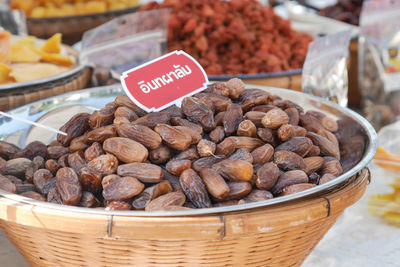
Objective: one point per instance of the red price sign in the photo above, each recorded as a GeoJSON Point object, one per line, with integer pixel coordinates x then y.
{"type": "Point", "coordinates": [164, 81]}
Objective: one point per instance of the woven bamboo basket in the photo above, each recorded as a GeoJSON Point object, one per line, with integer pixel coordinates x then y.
{"type": "Point", "coordinates": [278, 235]}
{"type": "Point", "coordinates": [72, 27]}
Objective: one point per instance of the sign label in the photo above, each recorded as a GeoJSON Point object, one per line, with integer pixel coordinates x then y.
{"type": "Point", "coordinates": [164, 81]}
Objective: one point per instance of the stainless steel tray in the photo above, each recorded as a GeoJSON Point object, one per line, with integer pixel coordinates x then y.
{"type": "Point", "coordinates": [55, 111]}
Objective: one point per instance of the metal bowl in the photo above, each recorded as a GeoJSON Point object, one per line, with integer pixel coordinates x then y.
{"type": "Point", "coordinates": [55, 111]}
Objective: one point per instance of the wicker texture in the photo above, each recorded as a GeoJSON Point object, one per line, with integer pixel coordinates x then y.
{"type": "Point", "coordinates": [23, 96]}
{"type": "Point", "coordinates": [279, 235]}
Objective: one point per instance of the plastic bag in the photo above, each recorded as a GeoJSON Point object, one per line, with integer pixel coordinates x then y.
{"type": "Point", "coordinates": [325, 67]}
{"type": "Point", "coordinates": [379, 61]}
{"type": "Point", "coordinates": [127, 41]}
{"type": "Point", "coordinates": [13, 21]}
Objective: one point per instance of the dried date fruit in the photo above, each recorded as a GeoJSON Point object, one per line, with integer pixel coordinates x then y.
{"type": "Point", "coordinates": [238, 190]}
{"type": "Point", "coordinates": [55, 152]}
{"type": "Point", "coordinates": [327, 147]}
{"type": "Point", "coordinates": [100, 134]}
{"type": "Point", "coordinates": [161, 154]}
{"type": "Point", "coordinates": [169, 199]}
{"type": "Point", "coordinates": [2, 163]}
{"type": "Point", "coordinates": [93, 151]}
{"type": "Point", "coordinates": [255, 117]}
{"type": "Point", "coordinates": [232, 118]}
{"type": "Point", "coordinates": [122, 189]}
{"type": "Point", "coordinates": [234, 170]}
{"type": "Point", "coordinates": [40, 178]}
{"type": "Point", "coordinates": [206, 148]}
{"type": "Point", "coordinates": [76, 161]}
{"type": "Point", "coordinates": [124, 101]}
{"type": "Point", "coordinates": [196, 137]}
{"type": "Point", "coordinates": [236, 87]}
{"type": "Point", "coordinates": [75, 127]}
{"type": "Point", "coordinates": [289, 178]}
{"type": "Point", "coordinates": [152, 119]}
{"type": "Point", "coordinates": [288, 160]}
{"type": "Point", "coordinates": [8, 150]}
{"type": "Point", "coordinates": [247, 128]}
{"type": "Point", "coordinates": [314, 164]}
{"type": "Point", "coordinates": [242, 154]}
{"type": "Point", "coordinates": [52, 183]}
{"type": "Point", "coordinates": [248, 143]}
{"type": "Point", "coordinates": [7, 185]}
{"type": "Point", "coordinates": [254, 97]}
{"type": "Point", "coordinates": [141, 134]}
{"type": "Point", "coordinates": [294, 116]}
{"type": "Point", "coordinates": [118, 205]}
{"type": "Point", "coordinates": [21, 188]}
{"type": "Point", "coordinates": [315, 151]}
{"type": "Point", "coordinates": [214, 183]}
{"type": "Point", "coordinates": [226, 203]}
{"type": "Point", "coordinates": [143, 199]}
{"type": "Point", "coordinates": [68, 186]}
{"type": "Point", "coordinates": [197, 112]}
{"type": "Point", "coordinates": [126, 112]}
{"type": "Point", "coordinates": [298, 145]}
{"type": "Point", "coordinates": [226, 147]}
{"type": "Point", "coordinates": [263, 108]}
{"type": "Point", "coordinates": [14, 179]}
{"type": "Point", "coordinates": [295, 188]}
{"type": "Point", "coordinates": [206, 162]}
{"type": "Point", "coordinates": [32, 150]}
{"type": "Point", "coordinates": [313, 178]}
{"type": "Point", "coordinates": [183, 122]}
{"type": "Point", "coordinates": [177, 166]}
{"type": "Point", "coordinates": [310, 123]}
{"type": "Point", "coordinates": [327, 177]}
{"type": "Point", "coordinates": [194, 189]}
{"type": "Point", "coordinates": [256, 195]}
{"type": "Point", "coordinates": [63, 161]}
{"type": "Point", "coordinates": [88, 200]}
{"type": "Point", "coordinates": [173, 137]}
{"type": "Point", "coordinates": [125, 149]}
{"type": "Point", "coordinates": [109, 179]}
{"type": "Point", "coordinates": [267, 136]}
{"type": "Point", "coordinates": [174, 111]}
{"type": "Point", "coordinates": [145, 172]}
{"type": "Point", "coordinates": [333, 167]}
{"type": "Point", "coordinates": [218, 88]}
{"type": "Point", "coordinates": [330, 136]}
{"type": "Point", "coordinates": [90, 180]}
{"type": "Point", "coordinates": [33, 195]}
{"type": "Point", "coordinates": [104, 164]}
{"type": "Point", "coordinates": [275, 118]}
{"type": "Point", "coordinates": [190, 154]}
{"type": "Point", "coordinates": [16, 167]}
{"type": "Point", "coordinates": [102, 117]}
{"type": "Point", "coordinates": [329, 124]}
{"type": "Point", "coordinates": [36, 164]}
{"type": "Point", "coordinates": [120, 120]}
{"type": "Point", "coordinates": [217, 135]}
{"type": "Point", "coordinates": [220, 103]}
{"type": "Point", "coordinates": [262, 154]}
{"type": "Point", "coordinates": [54, 197]}
{"type": "Point", "coordinates": [267, 175]}
{"type": "Point", "coordinates": [173, 180]}
{"type": "Point", "coordinates": [219, 118]}
{"type": "Point", "coordinates": [78, 144]}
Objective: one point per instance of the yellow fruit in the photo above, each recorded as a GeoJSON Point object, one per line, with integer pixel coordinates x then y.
{"type": "Point", "coordinates": [53, 44]}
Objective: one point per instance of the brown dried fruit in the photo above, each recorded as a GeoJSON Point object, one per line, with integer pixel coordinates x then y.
{"type": "Point", "coordinates": [55, 152]}
{"type": "Point", "coordinates": [218, 88]}
{"type": "Point", "coordinates": [33, 195]}
{"type": "Point", "coordinates": [326, 178]}
{"type": "Point", "coordinates": [298, 145]}
{"type": "Point", "coordinates": [226, 203]}
{"type": "Point", "coordinates": [123, 188]}
{"type": "Point", "coordinates": [145, 172]}
{"type": "Point", "coordinates": [247, 128]}
{"type": "Point", "coordinates": [327, 147]}
{"type": "Point", "coordinates": [76, 161]}
{"type": "Point", "coordinates": [288, 160]}
{"type": "Point", "coordinates": [102, 133]}
{"type": "Point", "coordinates": [217, 135]}
{"type": "Point", "coordinates": [68, 186]}
{"type": "Point", "coordinates": [104, 164]}
{"type": "Point", "coordinates": [161, 154]}
{"type": "Point", "coordinates": [78, 144]}
{"type": "Point", "coordinates": [118, 205]}
{"type": "Point", "coordinates": [16, 167]}
{"type": "Point", "coordinates": [8, 150]}
{"type": "Point", "coordinates": [197, 112]}
{"type": "Point", "coordinates": [152, 119]}
{"type": "Point", "coordinates": [273, 119]}
{"type": "Point", "coordinates": [141, 134]}
{"type": "Point", "coordinates": [170, 199]}
{"type": "Point", "coordinates": [183, 122]}
{"type": "Point", "coordinates": [125, 149]}
{"type": "Point", "coordinates": [226, 147]}
{"type": "Point", "coordinates": [206, 148]}
{"type": "Point", "coordinates": [123, 100]}
{"type": "Point", "coordinates": [207, 162]}
{"type": "Point", "coordinates": [242, 154]}
{"type": "Point", "coordinates": [36, 164]}
{"type": "Point", "coordinates": [21, 188]}
{"type": "Point", "coordinates": [33, 149]}
{"type": "Point", "coordinates": [311, 123]}
{"type": "Point", "coordinates": [173, 137]}
{"type": "Point", "coordinates": [267, 136]}
{"type": "Point", "coordinates": [195, 136]}
{"type": "Point", "coordinates": [254, 97]}
{"type": "Point", "coordinates": [91, 180]}
{"type": "Point", "coordinates": [102, 117]}
{"type": "Point", "coordinates": [75, 127]}
{"type": "Point", "coordinates": [255, 117]}
{"type": "Point", "coordinates": [289, 178]}
{"type": "Point", "coordinates": [194, 189]}
{"type": "Point", "coordinates": [232, 118]}
{"type": "Point", "coordinates": [88, 200]}
{"type": "Point", "coordinates": [295, 188]}
{"type": "Point", "coordinates": [177, 166]}
{"type": "Point", "coordinates": [174, 111]}
{"type": "Point", "coordinates": [262, 154]}
{"type": "Point", "coordinates": [315, 151]}
{"type": "Point", "coordinates": [125, 112]}
{"type": "Point", "coordinates": [219, 118]}
{"type": "Point", "coordinates": [294, 116]}
{"type": "Point", "coordinates": [109, 179]}
{"type": "Point", "coordinates": [54, 197]}
{"type": "Point", "coordinates": [333, 167]}
{"type": "Point", "coordinates": [313, 178]}
{"type": "Point", "coordinates": [248, 143]}
{"type": "Point", "coordinates": [40, 178]}
{"type": "Point", "coordinates": [234, 170]}
{"type": "Point", "coordinates": [256, 195]}
{"type": "Point", "coordinates": [93, 151]}
{"type": "Point", "coordinates": [313, 164]}
{"type": "Point", "coordinates": [263, 108]}
{"type": "Point", "coordinates": [330, 136]}
{"type": "Point", "coordinates": [219, 102]}
{"type": "Point", "coordinates": [214, 183]}
{"type": "Point", "coordinates": [7, 185]}
{"type": "Point", "coordinates": [238, 190]}
{"type": "Point", "coordinates": [285, 132]}
{"type": "Point", "coordinates": [267, 175]}
{"type": "Point", "coordinates": [190, 154]}
{"type": "Point", "coordinates": [63, 161]}
{"type": "Point", "coordinates": [236, 87]}
{"type": "Point", "coordinates": [143, 199]}
{"type": "Point", "coordinates": [330, 124]}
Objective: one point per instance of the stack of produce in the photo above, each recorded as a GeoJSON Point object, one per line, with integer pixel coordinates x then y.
{"type": "Point", "coordinates": [234, 37]}
{"type": "Point", "coordinates": [60, 8]}
{"type": "Point", "coordinates": [224, 146]}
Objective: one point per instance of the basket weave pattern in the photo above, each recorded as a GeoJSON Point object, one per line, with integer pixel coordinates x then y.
{"type": "Point", "coordinates": [279, 235]}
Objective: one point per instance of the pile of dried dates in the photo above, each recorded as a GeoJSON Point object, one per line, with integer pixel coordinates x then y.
{"type": "Point", "coordinates": [233, 37]}
{"type": "Point", "coordinates": [225, 146]}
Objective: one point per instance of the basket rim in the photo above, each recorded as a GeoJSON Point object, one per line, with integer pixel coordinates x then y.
{"type": "Point", "coordinates": [368, 155]}
{"type": "Point", "coordinates": [256, 76]}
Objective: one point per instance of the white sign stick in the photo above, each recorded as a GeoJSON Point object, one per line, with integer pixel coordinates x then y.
{"type": "Point", "coordinates": [32, 123]}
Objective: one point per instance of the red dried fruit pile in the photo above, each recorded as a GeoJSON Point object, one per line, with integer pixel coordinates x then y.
{"type": "Point", "coordinates": [234, 37]}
